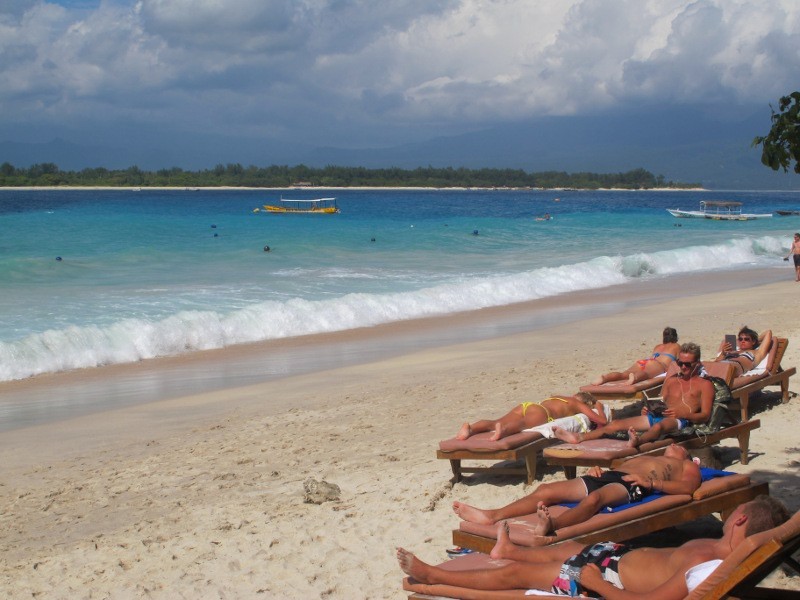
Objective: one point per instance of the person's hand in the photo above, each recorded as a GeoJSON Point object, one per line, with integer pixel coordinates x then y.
{"type": "Point", "coordinates": [595, 471]}
{"type": "Point", "coordinates": [591, 577]}
{"type": "Point", "coordinates": [639, 480]}
{"type": "Point", "coordinates": [670, 412]}
{"type": "Point", "coordinates": [645, 411]}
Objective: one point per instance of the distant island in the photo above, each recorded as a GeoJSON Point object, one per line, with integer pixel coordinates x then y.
{"type": "Point", "coordinates": [276, 176]}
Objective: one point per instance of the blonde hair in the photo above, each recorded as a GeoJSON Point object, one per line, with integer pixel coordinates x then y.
{"type": "Point", "coordinates": [586, 398]}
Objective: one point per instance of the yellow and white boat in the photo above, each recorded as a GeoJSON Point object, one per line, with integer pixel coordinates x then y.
{"type": "Point", "coordinates": [315, 206]}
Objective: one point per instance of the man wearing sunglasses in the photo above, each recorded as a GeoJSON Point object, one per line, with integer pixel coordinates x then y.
{"type": "Point", "coordinates": [687, 399]}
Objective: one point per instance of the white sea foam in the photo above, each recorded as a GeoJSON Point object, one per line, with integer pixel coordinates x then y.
{"type": "Point", "coordinates": [130, 340]}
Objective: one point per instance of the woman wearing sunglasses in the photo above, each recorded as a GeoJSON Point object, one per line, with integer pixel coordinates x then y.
{"type": "Point", "coordinates": [750, 350]}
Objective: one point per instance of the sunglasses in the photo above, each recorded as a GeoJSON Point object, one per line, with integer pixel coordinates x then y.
{"type": "Point", "coordinates": [744, 339]}
{"type": "Point", "coordinates": [681, 363]}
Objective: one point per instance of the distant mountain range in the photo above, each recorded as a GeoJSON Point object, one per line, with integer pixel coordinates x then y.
{"type": "Point", "coordinates": [682, 146]}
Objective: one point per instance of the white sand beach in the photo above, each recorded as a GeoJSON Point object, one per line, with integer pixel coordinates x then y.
{"type": "Point", "coordinates": [202, 496]}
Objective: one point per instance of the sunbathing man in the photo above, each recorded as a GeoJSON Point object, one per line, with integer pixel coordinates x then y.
{"type": "Point", "coordinates": [647, 368]}
{"type": "Point", "coordinates": [750, 351]}
{"type": "Point", "coordinates": [532, 414]}
{"type": "Point", "coordinates": [687, 396]}
{"type": "Point", "coordinates": [672, 473]}
{"type": "Point", "coordinates": [613, 571]}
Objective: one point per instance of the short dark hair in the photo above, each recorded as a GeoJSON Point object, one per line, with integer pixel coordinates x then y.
{"type": "Point", "coordinates": [691, 348]}
{"type": "Point", "coordinates": [763, 513]}
{"type": "Point", "coordinates": [670, 335]}
{"type": "Point", "coordinates": [749, 332]}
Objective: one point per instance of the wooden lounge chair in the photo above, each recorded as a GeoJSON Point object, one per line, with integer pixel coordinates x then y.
{"type": "Point", "coordinates": [772, 374]}
{"type": "Point", "coordinates": [717, 495]}
{"type": "Point", "coordinates": [736, 577]}
{"type": "Point", "coordinates": [604, 452]}
{"type": "Point", "coordinates": [526, 445]}
{"type": "Point", "coordinates": [607, 453]}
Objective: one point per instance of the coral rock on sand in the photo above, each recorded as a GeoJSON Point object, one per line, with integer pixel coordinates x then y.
{"type": "Point", "coordinates": [318, 492]}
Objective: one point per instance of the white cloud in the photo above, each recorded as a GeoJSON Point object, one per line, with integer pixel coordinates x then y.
{"type": "Point", "coordinates": [276, 67]}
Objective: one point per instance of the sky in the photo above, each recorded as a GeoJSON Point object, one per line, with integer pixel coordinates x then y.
{"type": "Point", "coordinates": [377, 73]}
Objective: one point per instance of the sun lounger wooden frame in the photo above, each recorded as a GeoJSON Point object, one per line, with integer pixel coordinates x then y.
{"type": "Point", "coordinates": [740, 431]}
{"type": "Point", "coordinates": [737, 577]}
{"type": "Point", "coordinates": [743, 386]}
{"type": "Point", "coordinates": [719, 503]}
{"type": "Point", "coordinates": [528, 452]}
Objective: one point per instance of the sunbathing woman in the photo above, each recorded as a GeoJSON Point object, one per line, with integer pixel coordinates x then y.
{"type": "Point", "coordinates": [531, 414]}
{"type": "Point", "coordinates": [647, 368]}
{"type": "Point", "coordinates": [750, 351]}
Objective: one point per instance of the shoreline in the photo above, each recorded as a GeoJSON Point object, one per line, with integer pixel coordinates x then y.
{"type": "Point", "coordinates": [32, 401]}
{"type": "Point", "coordinates": [202, 495]}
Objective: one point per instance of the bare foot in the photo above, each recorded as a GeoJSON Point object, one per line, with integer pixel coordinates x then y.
{"type": "Point", "coordinates": [545, 525]}
{"type": "Point", "coordinates": [412, 566]}
{"type": "Point", "coordinates": [472, 514]}
{"type": "Point", "coordinates": [598, 380]}
{"type": "Point", "coordinates": [570, 437]}
{"type": "Point", "coordinates": [464, 432]}
{"type": "Point", "coordinates": [504, 546]}
{"type": "Point", "coordinates": [633, 438]}
{"type": "Point", "coordinates": [498, 432]}
{"type": "Point", "coordinates": [631, 378]}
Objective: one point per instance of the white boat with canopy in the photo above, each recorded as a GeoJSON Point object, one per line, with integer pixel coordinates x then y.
{"type": "Point", "coordinates": [718, 210]}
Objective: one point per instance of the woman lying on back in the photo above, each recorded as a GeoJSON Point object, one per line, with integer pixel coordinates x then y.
{"type": "Point", "coordinates": [531, 414]}
{"type": "Point", "coordinates": [750, 351]}
{"type": "Point", "coordinates": [652, 366]}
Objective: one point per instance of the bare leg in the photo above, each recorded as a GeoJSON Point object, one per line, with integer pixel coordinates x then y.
{"type": "Point", "coordinates": [505, 548]}
{"type": "Point", "coordinates": [656, 431]}
{"type": "Point", "coordinates": [476, 427]}
{"type": "Point", "coordinates": [508, 550]}
{"type": "Point", "coordinates": [639, 423]}
{"type": "Point", "coordinates": [516, 575]}
{"type": "Point", "coordinates": [609, 495]}
{"type": "Point", "coordinates": [571, 490]}
{"type": "Point", "coordinates": [545, 524]}
{"type": "Point", "coordinates": [633, 438]}
{"type": "Point", "coordinates": [571, 437]}
{"type": "Point", "coordinates": [613, 376]}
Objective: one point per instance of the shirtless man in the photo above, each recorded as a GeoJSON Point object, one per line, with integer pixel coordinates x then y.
{"type": "Point", "coordinates": [613, 571]}
{"type": "Point", "coordinates": [647, 368]}
{"type": "Point", "coordinates": [532, 414]}
{"type": "Point", "coordinates": [672, 473]}
{"type": "Point", "coordinates": [688, 398]}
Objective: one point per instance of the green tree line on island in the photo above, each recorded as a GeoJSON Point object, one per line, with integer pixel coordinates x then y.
{"type": "Point", "coordinates": [276, 176]}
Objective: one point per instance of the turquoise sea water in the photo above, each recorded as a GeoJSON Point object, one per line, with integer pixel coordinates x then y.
{"type": "Point", "coordinates": [154, 273]}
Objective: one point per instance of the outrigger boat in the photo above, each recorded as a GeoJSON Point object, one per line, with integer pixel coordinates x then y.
{"type": "Point", "coordinates": [316, 206]}
{"type": "Point", "coordinates": [718, 210]}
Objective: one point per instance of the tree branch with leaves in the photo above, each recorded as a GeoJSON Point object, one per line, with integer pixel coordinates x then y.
{"type": "Point", "coordinates": [781, 146]}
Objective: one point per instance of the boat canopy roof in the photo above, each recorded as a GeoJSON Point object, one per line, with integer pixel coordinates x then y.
{"type": "Point", "coordinates": [721, 203]}
{"type": "Point", "coordinates": [312, 200]}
